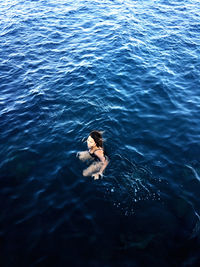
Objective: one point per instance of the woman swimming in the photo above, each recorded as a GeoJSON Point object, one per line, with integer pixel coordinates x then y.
{"type": "Point", "coordinates": [96, 153]}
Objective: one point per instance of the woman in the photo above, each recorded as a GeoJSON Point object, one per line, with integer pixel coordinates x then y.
{"type": "Point", "coordinates": [97, 153]}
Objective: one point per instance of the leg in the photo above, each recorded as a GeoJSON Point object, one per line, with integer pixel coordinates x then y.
{"type": "Point", "coordinates": [93, 168]}
{"type": "Point", "coordinates": [84, 155]}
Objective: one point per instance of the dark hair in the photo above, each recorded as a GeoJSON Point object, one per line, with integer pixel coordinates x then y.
{"type": "Point", "coordinates": [97, 136]}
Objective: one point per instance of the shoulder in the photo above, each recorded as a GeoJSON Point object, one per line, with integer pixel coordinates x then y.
{"type": "Point", "coordinates": [99, 152]}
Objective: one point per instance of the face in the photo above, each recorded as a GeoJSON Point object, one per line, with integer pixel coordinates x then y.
{"type": "Point", "coordinates": [90, 142]}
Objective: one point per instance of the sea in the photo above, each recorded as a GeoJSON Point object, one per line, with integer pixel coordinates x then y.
{"type": "Point", "coordinates": [130, 69]}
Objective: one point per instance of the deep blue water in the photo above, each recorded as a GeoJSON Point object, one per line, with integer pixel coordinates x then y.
{"type": "Point", "coordinates": [131, 69]}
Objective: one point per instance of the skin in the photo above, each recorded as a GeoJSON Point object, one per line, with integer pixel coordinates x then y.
{"type": "Point", "coordinates": [95, 169]}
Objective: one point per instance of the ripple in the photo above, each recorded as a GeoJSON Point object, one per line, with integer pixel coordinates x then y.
{"type": "Point", "coordinates": [130, 69]}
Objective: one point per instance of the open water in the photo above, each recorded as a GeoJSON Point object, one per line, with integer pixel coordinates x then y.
{"type": "Point", "coordinates": [132, 69]}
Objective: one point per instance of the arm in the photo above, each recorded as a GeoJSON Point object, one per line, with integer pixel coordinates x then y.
{"type": "Point", "coordinates": [103, 160]}
{"type": "Point", "coordinates": [104, 165]}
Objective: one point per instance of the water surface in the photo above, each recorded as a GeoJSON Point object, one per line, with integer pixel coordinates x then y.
{"type": "Point", "coordinates": [130, 68]}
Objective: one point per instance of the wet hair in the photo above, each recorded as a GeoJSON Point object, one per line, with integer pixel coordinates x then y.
{"type": "Point", "coordinates": [97, 136]}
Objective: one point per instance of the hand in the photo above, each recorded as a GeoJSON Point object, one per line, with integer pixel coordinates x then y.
{"type": "Point", "coordinates": [97, 175]}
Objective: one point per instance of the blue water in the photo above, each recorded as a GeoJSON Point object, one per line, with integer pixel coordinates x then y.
{"type": "Point", "coordinates": [131, 69]}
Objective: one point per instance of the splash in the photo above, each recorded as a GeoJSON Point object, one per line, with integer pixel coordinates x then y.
{"type": "Point", "coordinates": [129, 185]}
